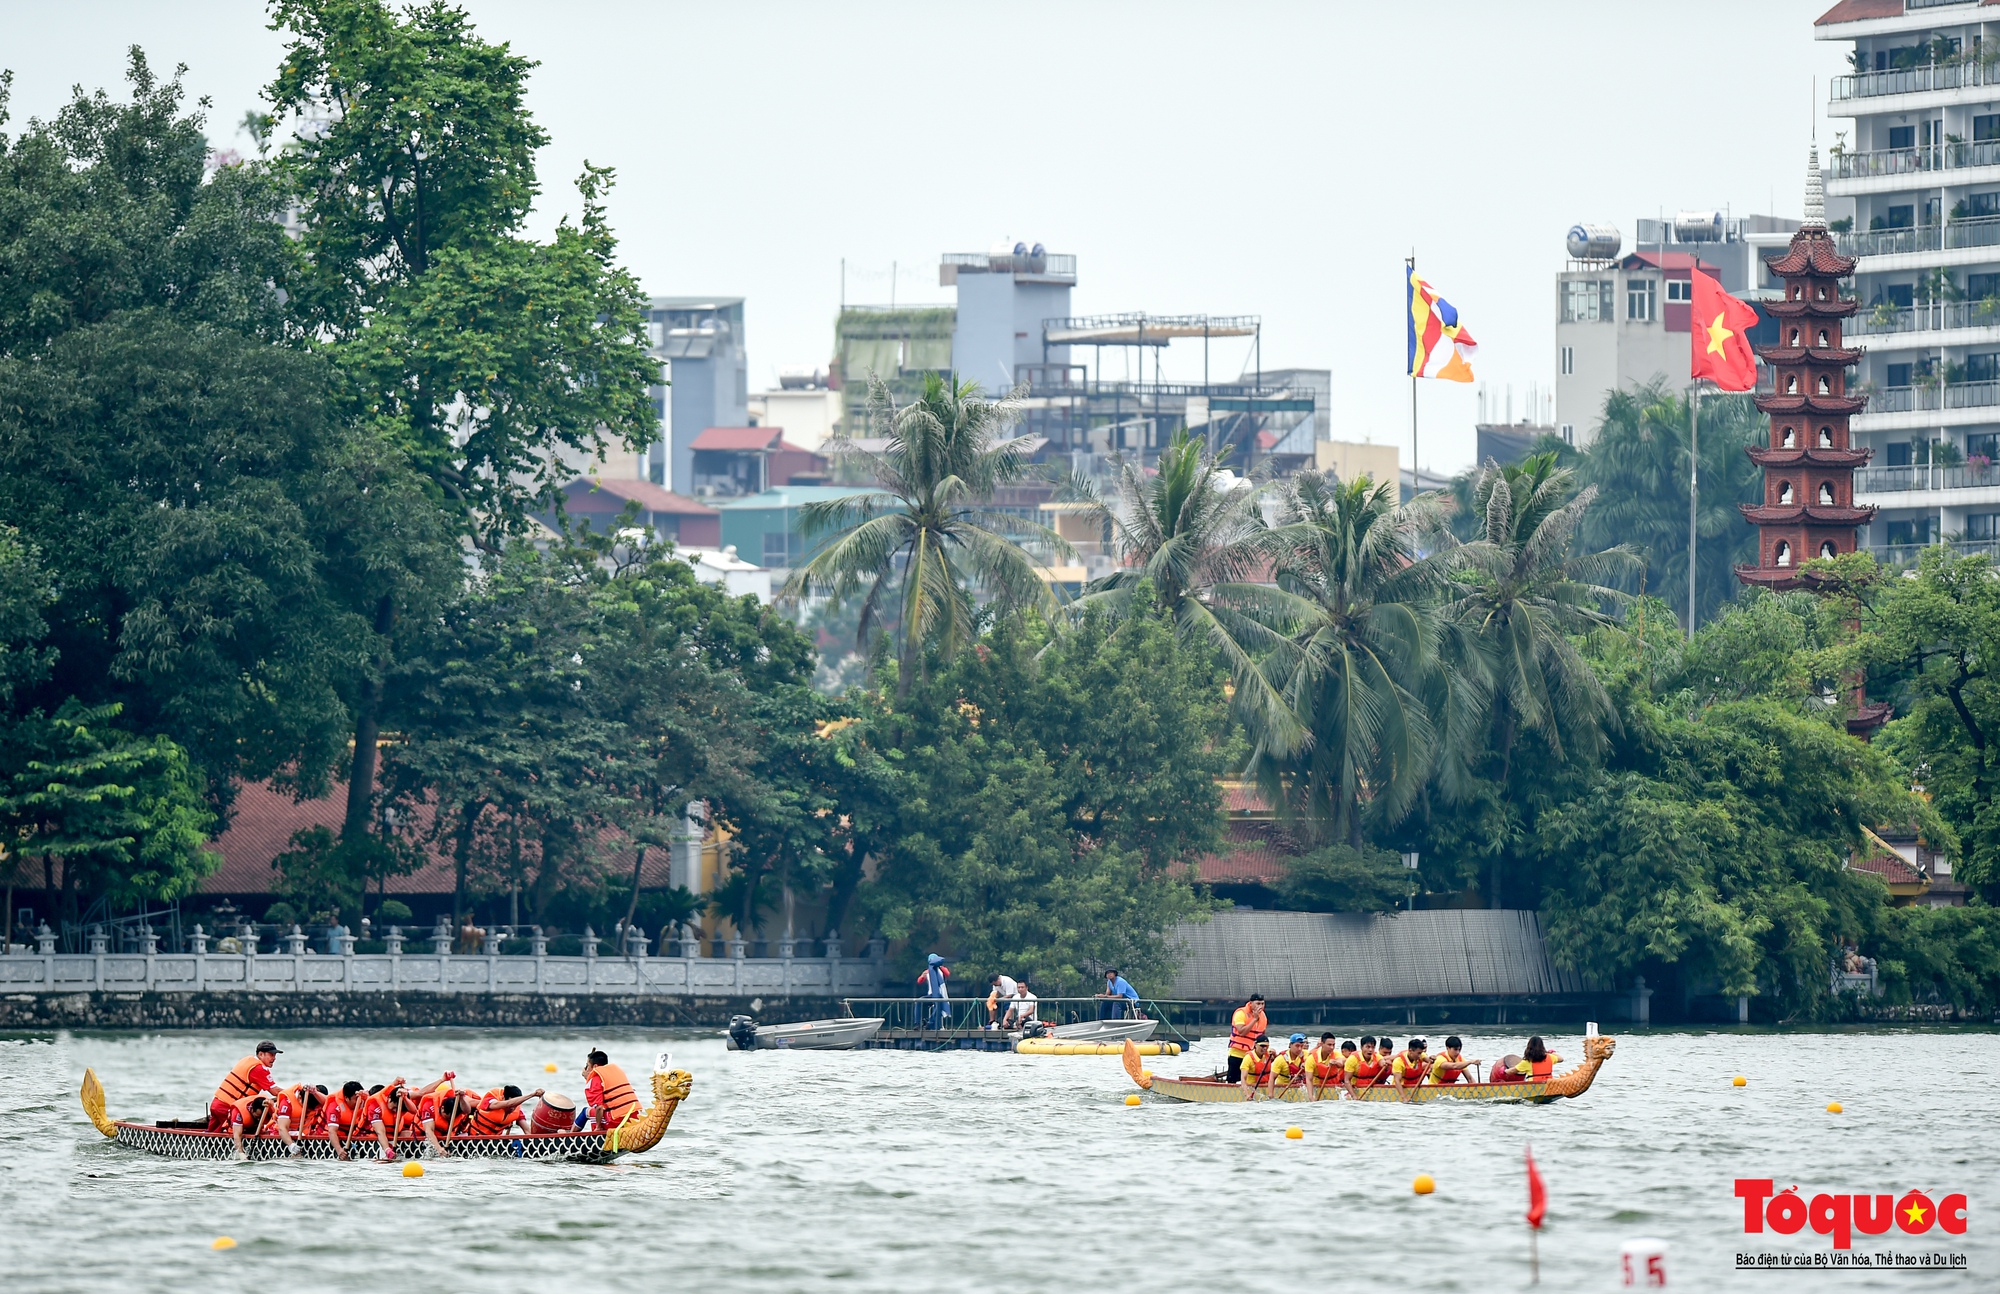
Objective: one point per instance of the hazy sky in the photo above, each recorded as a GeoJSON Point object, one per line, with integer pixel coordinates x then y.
{"type": "Point", "coordinates": [1239, 158]}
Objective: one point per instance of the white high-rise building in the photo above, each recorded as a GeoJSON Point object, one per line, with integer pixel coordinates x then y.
{"type": "Point", "coordinates": [1921, 168]}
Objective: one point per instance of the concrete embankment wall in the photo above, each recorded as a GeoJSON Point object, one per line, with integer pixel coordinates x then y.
{"type": "Point", "coordinates": [384, 1010]}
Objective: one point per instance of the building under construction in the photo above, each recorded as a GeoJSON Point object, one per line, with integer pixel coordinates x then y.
{"type": "Point", "coordinates": [1012, 330]}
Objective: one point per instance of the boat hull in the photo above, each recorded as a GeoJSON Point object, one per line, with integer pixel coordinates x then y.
{"type": "Point", "coordinates": [816, 1035]}
{"type": "Point", "coordinates": [1112, 1031]}
{"type": "Point", "coordinates": [1064, 1047]}
{"type": "Point", "coordinates": [188, 1143]}
{"type": "Point", "coordinates": [1212, 1091]}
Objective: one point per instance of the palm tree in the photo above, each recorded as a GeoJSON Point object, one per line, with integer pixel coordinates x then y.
{"type": "Point", "coordinates": [1179, 528]}
{"type": "Point", "coordinates": [1523, 592]}
{"type": "Point", "coordinates": [925, 528]}
{"type": "Point", "coordinates": [1639, 464]}
{"type": "Point", "coordinates": [1342, 649]}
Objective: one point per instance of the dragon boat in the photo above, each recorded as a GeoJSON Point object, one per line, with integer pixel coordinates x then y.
{"type": "Point", "coordinates": [190, 1138]}
{"type": "Point", "coordinates": [1575, 1082]}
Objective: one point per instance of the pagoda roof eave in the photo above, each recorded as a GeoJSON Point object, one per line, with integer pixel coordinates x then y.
{"type": "Point", "coordinates": [1788, 309]}
{"type": "Point", "coordinates": [1776, 355]}
{"type": "Point", "coordinates": [1804, 514]}
{"type": "Point", "coordinates": [1827, 404]}
{"type": "Point", "coordinates": [1770, 577]}
{"type": "Point", "coordinates": [1811, 454]}
{"type": "Point", "coordinates": [1813, 251]}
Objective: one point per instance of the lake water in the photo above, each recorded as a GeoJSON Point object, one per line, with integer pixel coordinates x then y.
{"type": "Point", "coordinates": [973, 1171]}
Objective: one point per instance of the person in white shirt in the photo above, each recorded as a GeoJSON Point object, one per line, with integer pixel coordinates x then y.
{"type": "Point", "coordinates": [1023, 1009]}
{"type": "Point", "coordinates": [1002, 991]}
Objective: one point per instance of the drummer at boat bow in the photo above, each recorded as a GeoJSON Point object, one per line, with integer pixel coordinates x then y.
{"type": "Point", "coordinates": [1537, 1062]}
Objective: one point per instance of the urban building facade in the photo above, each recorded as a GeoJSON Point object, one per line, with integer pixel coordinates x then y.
{"type": "Point", "coordinates": [701, 341]}
{"type": "Point", "coordinates": [1921, 168]}
{"type": "Point", "coordinates": [1622, 320]}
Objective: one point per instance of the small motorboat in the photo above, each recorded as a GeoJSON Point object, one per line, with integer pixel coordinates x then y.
{"type": "Point", "coordinates": [1105, 1031]}
{"type": "Point", "coordinates": [838, 1034]}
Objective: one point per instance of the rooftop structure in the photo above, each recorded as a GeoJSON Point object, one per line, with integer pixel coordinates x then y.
{"type": "Point", "coordinates": [701, 340]}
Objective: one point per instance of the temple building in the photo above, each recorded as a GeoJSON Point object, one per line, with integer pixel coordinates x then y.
{"type": "Point", "coordinates": [1808, 509]}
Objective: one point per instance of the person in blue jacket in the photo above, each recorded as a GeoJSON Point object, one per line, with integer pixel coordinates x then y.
{"type": "Point", "coordinates": [938, 1009]}
{"type": "Point", "coordinates": [1119, 998]}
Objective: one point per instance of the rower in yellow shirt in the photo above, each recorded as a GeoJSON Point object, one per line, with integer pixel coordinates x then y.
{"type": "Point", "coordinates": [1449, 1065]}
{"type": "Point", "coordinates": [1290, 1069]}
{"type": "Point", "coordinates": [1410, 1066]}
{"type": "Point", "coordinates": [1325, 1068]}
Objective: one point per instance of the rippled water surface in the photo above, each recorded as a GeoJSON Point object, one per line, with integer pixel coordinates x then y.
{"type": "Point", "coordinates": [971, 1171]}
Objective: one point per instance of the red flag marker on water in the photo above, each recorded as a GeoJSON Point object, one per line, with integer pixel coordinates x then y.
{"type": "Point", "coordinates": [1538, 1208]}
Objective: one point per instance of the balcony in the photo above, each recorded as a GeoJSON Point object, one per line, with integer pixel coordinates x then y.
{"type": "Point", "coordinates": [1920, 399]}
{"type": "Point", "coordinates": [1913, 161]}
{"type": "Point", "coordinates": [1935, 316]}
{"type": "Point", "coordinates": [1913, 80]}
{"type": "Point", "coordinates": [1978, 231]}
{"type": "Point", "coordinates": [1907, 554]}
{"type": "Point", "coordinates": [1917, 476]}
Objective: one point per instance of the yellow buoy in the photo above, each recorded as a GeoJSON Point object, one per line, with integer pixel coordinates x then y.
{"type": "Point", "coordinates": [549, 1068]}
{"type": "Point", "coordinates": [1833, 1107]}
{"type": "Point", "coordinates": [223, 1242]}
{"type": "Point", "coordinates": [1740, 1081]}
{"type": "Point", "coordinates": [1423, 1185]}
{"type": "Point", "coordinates": [413, 1169]}
{"type": "Point", "coordinates": [1132, 1098]}
{"type": "Point", "coordinates": [1295, 1134]}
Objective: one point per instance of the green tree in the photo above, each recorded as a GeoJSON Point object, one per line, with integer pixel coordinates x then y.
{"type": "Point", "coordinates": [929, 528]}
{"type": "Point", "coordinates": [495, 362]}
{"type": "Point", "coordinates": [1344, 646]}
{"type": "Point", "coordinates": [1343, 878]}
{"type": "Point", "coordinates": [1639, 464]}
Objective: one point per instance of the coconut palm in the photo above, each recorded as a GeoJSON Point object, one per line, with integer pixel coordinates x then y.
{"type": "Point", "coordinates": [926, 529]}
{"type": "Point", "coordinates": [1341, 651]}
{"type": "Point", "coordinates": [1181, 528]}
{"type": "Point", "coordinates": [1522, 590]}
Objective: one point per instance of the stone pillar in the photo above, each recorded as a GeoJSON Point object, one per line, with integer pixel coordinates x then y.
{"type": "Point", "coordinates": [590, 942]}
{"type": "Point", "coordinates": [1743, 1008]}
{"type": "Point", "coordinates": [538, 943]}
{"type": "Point", "coordinates": [393, 942]}
{"type": "Point", "coordinates": [149, 942]}
{"type": "Point", "coordinates": [99, 941]}
{"type": "Point", "coordinates": [441, 939]}
{"type": "Point", "coordinates": [635, 943]}
{"type": "Point", "coordinates": [690, 942]}
{"type": "Point", "coordinates": [1642, 1002]}
{"type": "Point", "coordinates": [737, 947]}
{"type": "Point", "coordinates": [343, 945]}
{"type": "Point", "coordinates": [295, 943]}
{"type": "Point", "coordinates": [490, 945]}
{"type": "Point", "coordinates": [200, 940]}
{"type": "Point", "coordinates": [45, 941]}
{"type": "Point", "coordinates": [833, 945]}
{"type": "Point", "coordinates": [246, 934]}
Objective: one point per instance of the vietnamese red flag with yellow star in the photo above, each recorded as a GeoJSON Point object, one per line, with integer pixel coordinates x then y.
{"type": "Point", "coordinates": [1721, 342]}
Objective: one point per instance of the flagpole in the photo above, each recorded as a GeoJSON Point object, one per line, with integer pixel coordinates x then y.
{"type": "Point", "coordinates": [1694, 492]}
{"type": "Point", "coordinates": [1410, 268]}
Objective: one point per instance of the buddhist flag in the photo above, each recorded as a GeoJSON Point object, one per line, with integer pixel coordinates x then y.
{"type": "Point", "coordinates": [1720, 347]}
{"type": "Point", "coordinates": [1440, 346]}
{"type": "Point", "coordinates": [1538, 1196]}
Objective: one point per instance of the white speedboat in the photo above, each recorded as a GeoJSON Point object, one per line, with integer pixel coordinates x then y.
{"type": "Point", "coordinates": [806, 1035]}
{"type": "Point", "coordinates": [1105, 1031]}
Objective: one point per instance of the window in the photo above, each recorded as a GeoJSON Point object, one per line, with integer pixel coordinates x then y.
{"type": "Point", "coordinates": [1586, 300]}
{"type": "Point", "coordinates": [1823, 338]}
{"type": "Point", "coordinates": [1982, 525]}
{"type": "Point", "coordinates": [1918, 530]}
{"type": "Point", "coordinates": [1789, 440]}
{"type": "Point", "coordinates": [1978, 287]}
{"type": "Point", "coordinates": [1984, 444]}
{"type": "Point", "coordinates": [1639, 299]}
{"type": "Point", "coordinates": [1784, 493]}
{"type": "Point", "coordinates": [1826, 494]}
{"type": "Point", "coordinates": [1983, 204]}
{"type": "Point", "coordinates": [1986, 127]}
{"type": "Point", "coordinates": [1680, 291]}
{"type": "Point", "coordinates": [1784, 553]}
{"type": "Point", "coordinates": [1824, 387]}
{"type": "Point", "coordinates": [1569, 433]}
{"type": "Point", "coordinates": [1902, 136]}
{"type": "Point", "coordinates": [1896, 374]}
{"type": "Point", "coordinates": [1826, 438]}
{"type": "Point", "coordinates": [1983, 368]}
{"type": "Point", "coordinates": [1795, 338]}
{"type": "Point", "coordinates": [1568, 361]}
{"type": "Point", "coordinates": [1897, 453]}
{"type": "Point", "coordinates": [1900, 295]}
{"type": "Point", "coordinates": [777, 549]}
{"type": "Point", "coordinates": [1900, 217]}
{"type": "Point", "coordinates": [1828, 550]}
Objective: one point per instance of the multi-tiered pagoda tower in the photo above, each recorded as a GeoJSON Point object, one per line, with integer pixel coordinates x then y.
{"type": "Point", "coordinates": [1808, 509]}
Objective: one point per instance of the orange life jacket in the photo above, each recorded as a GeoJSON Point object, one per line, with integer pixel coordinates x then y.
{"type": "Point", "coordinates": [487, 1121]}
{"type": "Point", "coordinates": [1448, 1071]}
{"type": "Point", "coordinates": [1541, 1069]}
{"type": "Point", "coordinates": [1243, 1032]}
{"type": "Point", "coordinates": [1366, 1071]}
{"type": "Point", "coordinates": [290, 1105]}
{"type": "Point", "coordinates": [1413, 1074]}
{"type": "Point", "coordinates": [238, 1083]}
{"type": "Point", "coordinates": [620, 1101]}
{"type": "Point", "coordinates": [1256, 1070]}
{"type": "Point", "coordinates": [1328, 1069]}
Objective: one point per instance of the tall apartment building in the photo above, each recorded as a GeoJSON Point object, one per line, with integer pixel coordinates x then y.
{"type": "Point", "coordinates": [701, 339]}
{"type": "Point", "coordinates": [1921, 166]}
{"type": "Point", "coordinates": [1622, 319]}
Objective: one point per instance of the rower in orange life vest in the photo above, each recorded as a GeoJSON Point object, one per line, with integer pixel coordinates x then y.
{"type": "Point", "coordinates": [299, 1109]}
{"type": "Point", "coordinates": [246, 1079]}
{"type": "Point", "coordinates": [1537, 1062]}
{"type": "Point", "coordinates": [1410, 1065]}
{"type": "Point", "coordinates": [1291, 1068]}
{"type": "Point", "coordinates": [1325, 1068]}
{"type": "Point", "coordinates": [380, 1111]}
{"type": "Point", "coordinates": [1245, 1025]}
{"type": "Point", "coordinates": [608, 1098]}
{"type": "Point", "coordinates": [436, 1105]}
{"type": "Point", "coordinates": [344, 1113]}
{"type": "Point", "coordinates": [1449, 1065]}
{"type": "Point", "coordinates": [499, 1111]}
{"type": "Point", "coordinates": [1365, 1069]}
{"type": "Point", "coordinates": [1257, 1066]}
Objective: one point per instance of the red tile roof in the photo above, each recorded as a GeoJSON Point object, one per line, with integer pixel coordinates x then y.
{"type": "Point", "coordinates": [1241, 797]}
{"type": "Point", "coordinates": [648, 496]}
{"type": "Point", "coordinates": [740, 438]}
{"type": "Point", "coordinates": [1254, 853]}
{"type": "Point", "coordinates": [1892, 868]}
{"type": "Point", "coordinates": [1668, 261]}
{"type": "Point", "coordinates": [1860, 10]}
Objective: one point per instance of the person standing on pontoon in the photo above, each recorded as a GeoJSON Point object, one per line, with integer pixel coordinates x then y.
{"type": "Point", "coordinates": [1120, 998]}
{"type": "Point", "coordinates": [937, 994]}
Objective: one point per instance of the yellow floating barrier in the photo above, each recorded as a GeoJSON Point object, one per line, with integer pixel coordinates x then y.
{"type": "Point", "coordinates": [1055, 1047]}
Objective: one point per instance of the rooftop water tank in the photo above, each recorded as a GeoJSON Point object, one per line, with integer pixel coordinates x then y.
{"type": "Point", "coordinates": [1698, 227]}
{"type": "Point", "coordinates": [1594, 242]}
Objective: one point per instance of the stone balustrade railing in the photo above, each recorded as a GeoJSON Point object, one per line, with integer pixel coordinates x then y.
{"type": "Point", "coordinates": [439, 970]}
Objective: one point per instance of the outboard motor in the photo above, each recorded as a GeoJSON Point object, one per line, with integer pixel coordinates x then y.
{"type": "Point", "coordinates": [742, 1032]}
{"type": "Point", "coordinates": [1037, 1029]}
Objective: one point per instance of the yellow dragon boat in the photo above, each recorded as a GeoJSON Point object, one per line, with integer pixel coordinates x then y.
{"type": "Point", "coordinates": [1596, 1050]}
{"type": "Point", "coordinates": [190, 1139]}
